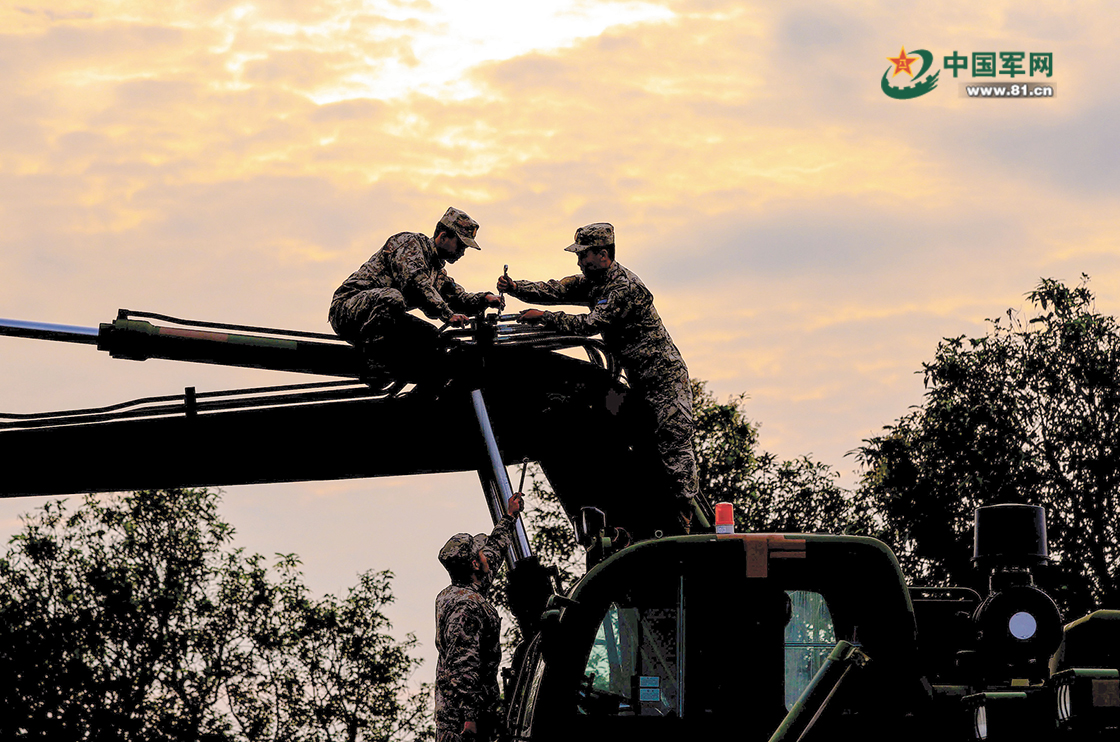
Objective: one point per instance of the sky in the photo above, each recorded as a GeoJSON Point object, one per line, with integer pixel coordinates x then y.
{"type": "Point", "coordinates": [807, 237]}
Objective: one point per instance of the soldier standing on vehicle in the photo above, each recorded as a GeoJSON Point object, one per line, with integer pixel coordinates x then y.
{"type": "Point", "coordinates": [622, 312]}
{"type": "Point", "coordinates": [370, 309]}
{"type": "Point", "coordinates": [468, 633]}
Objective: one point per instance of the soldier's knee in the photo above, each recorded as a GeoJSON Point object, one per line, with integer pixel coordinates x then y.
{"type": "Point", "coordinates": [338, 319]}
{"type": "Point", "coordinates": [366, 315]}
{"type": "Point", "coordinates": [383, 307]}
{"type": "Point", "coordinates": [391, 300]}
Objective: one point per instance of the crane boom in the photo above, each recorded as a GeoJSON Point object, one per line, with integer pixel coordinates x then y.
{"type": "Point", "coordinates": [276, 434]}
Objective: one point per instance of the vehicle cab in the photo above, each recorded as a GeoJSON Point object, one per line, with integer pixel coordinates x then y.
{"type": "Point", "coordinates": [698, 635]}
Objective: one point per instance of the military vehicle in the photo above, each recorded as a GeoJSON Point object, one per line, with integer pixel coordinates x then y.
{"type": "Point", "coordinates": [675, 636]}
{"type": "Point", "coordinates": [810, 636]}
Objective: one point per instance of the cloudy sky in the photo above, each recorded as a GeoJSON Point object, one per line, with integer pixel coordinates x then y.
{"type": "Point", "coordinates": [808, 238]}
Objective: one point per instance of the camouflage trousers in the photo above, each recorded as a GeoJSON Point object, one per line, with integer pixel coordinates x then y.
{"type": "Point", "coordinates": [374, 314]}
{"type": "Point", "coordinates": [668, 397]}
{"type": "Point", "coordinates": [377, 322]}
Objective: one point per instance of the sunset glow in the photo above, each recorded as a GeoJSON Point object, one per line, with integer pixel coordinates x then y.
{"type": "Point", "coordinates": [808, 239]}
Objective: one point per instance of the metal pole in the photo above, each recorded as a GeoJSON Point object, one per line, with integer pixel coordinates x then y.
{"type": "Point", "coordinates": [47, 331]}
{"type": "Point", "coordinates": [520, 545]}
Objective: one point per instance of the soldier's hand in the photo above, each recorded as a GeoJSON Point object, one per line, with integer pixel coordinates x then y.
{"type": "Point", "coordinates": [530, 316]}
{"type": "Point", "coordinates": [458, 320]}
{"type": "Point", "coordinates": [506, 284]}
{"type": "Point", "coordinates": [494, 300]}
{"type": "Point", "coordinates": [516, 504]}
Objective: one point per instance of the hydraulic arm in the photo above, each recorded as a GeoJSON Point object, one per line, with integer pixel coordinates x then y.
{"type": "Point", "coordinates": [133, 337]}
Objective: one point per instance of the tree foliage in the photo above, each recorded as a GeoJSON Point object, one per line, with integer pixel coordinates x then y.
{"type": "Point", "coordinates": [1029, 413]}
{"type": "Point", "coordinates": [770, 495]}
{"type": "Point", "coordinates": [133, 618]}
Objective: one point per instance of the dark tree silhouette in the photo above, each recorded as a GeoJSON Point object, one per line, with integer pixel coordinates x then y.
{"type": "Point", "coordinates": [1028, 413]}
{"type": "Point", "coordinates": [133, 618]}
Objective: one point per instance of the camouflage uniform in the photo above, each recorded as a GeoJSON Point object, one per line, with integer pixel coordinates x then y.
{"type": "Point", "coordinates": [622, 312]}
{"type": "Point", "coordinates": [468, 638]}
{"type": "Point", "coordinates": [406, 273]}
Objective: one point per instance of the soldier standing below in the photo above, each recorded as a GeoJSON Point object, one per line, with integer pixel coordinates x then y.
{"type": "Point", "coordinates": [622, 312]}
{"type": "Point", "coordinates": [370, 309]}
{"type": "Point", "coordinates": [468, 633]}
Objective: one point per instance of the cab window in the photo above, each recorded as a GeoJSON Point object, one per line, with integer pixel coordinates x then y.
{"type": "Point", "coordinates": [633, 668]}
{"type": "Point", "coordinates": [810, 636]}
{"type": "Point", "coordinates": [636, 664]}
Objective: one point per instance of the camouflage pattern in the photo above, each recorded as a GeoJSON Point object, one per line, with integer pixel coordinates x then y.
{"type": "Point", "coordinates": [669, 398]}
{"type": "Point", "coordinates": [460, 549]}
{"type": "Point", "coordinates": [600, 234]}
{"type": "Point", "coordinates": [622, 312]}
{"type": "Point", "coordinates": [407, 273]}
{"type": "Point", "coordinates": [468, 638]}
{"type": "Point", "coordinates": [462, 225]}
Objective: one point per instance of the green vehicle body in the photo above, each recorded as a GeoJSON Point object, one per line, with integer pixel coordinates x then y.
{"type": "Point", "coordinates": [784, 637]}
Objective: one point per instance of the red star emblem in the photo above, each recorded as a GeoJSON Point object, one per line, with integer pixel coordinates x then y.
{"type": "Point", "coordinates": [902, 63]}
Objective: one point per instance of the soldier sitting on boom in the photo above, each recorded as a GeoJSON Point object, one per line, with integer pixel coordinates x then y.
{"type": "Point", "coordinates": [370, 309]}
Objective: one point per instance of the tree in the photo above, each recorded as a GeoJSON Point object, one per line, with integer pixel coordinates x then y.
{"type": "Point", "coordinates": [1028, 413]}
{"type": "Point", "coordinates": [133, 618]}
{"type": "Point", "coordinates": [769, 494]}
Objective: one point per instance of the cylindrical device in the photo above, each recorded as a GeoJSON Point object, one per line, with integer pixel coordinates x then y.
{"type": "Point", "coordinates": [1019, 627]}
{"type": "Point", "coordinates": [814, 701]}
{"type": "Point", "coordinates": [725, 517]}
{"type": "Point", "coordinates": [138, 340]}
{"type": "Point", "coordinates": [47, 331]}
{"type": "Point", "coordinates": [1010, 536]}
{"type": "Point", "coordinates": [520, 547]}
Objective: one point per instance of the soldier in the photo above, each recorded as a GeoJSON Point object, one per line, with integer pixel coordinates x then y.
{"type": "Point", "coordinates": [622, 312]}
{"type": "Point", "coordinates": [468, 633]}
{"type": "Point", "coordinates": [370, 309]}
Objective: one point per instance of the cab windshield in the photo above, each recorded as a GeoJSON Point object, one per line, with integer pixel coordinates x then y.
{"type": "Point", "coordinates": [636, 664]}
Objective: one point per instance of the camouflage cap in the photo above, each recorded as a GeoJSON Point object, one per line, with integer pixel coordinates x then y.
{"type": "Point", "coordinates": [462, 225]}
{"type": "Point", "coordinates": [599, 234]}
{"type": "Point", "coordinates": [460, 549]}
